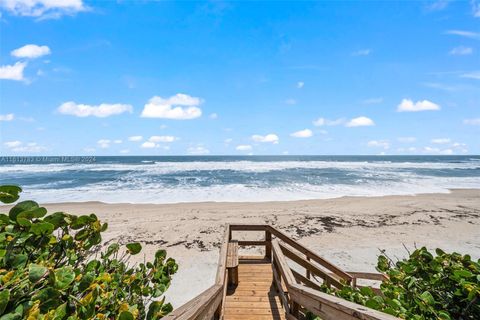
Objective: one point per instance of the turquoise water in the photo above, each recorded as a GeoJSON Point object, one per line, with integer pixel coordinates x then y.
{"type": "Point", "coordinates": [158, 179]}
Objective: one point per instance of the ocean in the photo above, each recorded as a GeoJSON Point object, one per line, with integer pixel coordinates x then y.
{"type": "Point", "coordinates": [172, 179]}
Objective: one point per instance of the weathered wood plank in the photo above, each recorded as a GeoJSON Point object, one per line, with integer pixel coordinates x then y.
{"type": "Point", "coordinates": [310, 266]}
{"type": "Point", "coordinates": [329, 307]}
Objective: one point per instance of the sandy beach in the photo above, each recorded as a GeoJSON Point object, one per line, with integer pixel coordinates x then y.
{"type": "Point", "coordinates": [348, 231]}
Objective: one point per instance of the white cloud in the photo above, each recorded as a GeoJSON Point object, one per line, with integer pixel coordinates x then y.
{"type": "Point", "coordinates": [7, 117]}
{"type": "Point", "coordinates": [198, 150]}
{"type": "Point", "coordinates": [31, 51]}
{"type": "Point", "coordinates": [464, 33]}
{"type": "Point", "coordinates": [300, 84]}
{"type": "Point", "coordinates": [13, 72]}
{"type": "Point", "coordinates": [179, 107]}
{"type": "Point", "coordinates": [373, 100]}
{"type": "Point", "coordinates": [472, 75]}
{"type": "Point", "coordinates": [104, 143]}
{"type": "Point", "coordinates": [379, 144]}
{"type": "Point", "coordinates": [135, 138]}
{"type": "Point", "coordinates": [407, 139]}
{"type": "Point", "coordinates": [326, 122]}
{"type": "Point", "coordinates": [362, 52]}
{"type": "Point", "coordinates": [438, 5]}
{"type": "Point", "coordinates": [272, 138]}
{"type": "Point", "coordinates": [101, 111]}
{"type": "Point", "coordinates": [441, 140]}
{"type": "Point", "coordinates": [475, 8]}
{"type": "Point", "coordinates": [148, 145]}
{"type": "Point", "coordinates": [13, 144]}
{"type": "Point", "coordinates": [472, 122]}
{"type": "Point", "coordinates": [291, 101]}
{"type": "Point", "coordinates": [244, 147]}
{"type": "Point", "coordinates": [125, 151]}
{"type": "Point", "coordinates": [360, 122]}
{"type": "Point", "coordinates": [118, 141]}
{"type": "Point", "coordinates": [213, 116]}
{"type": "Point", "coordinates": [43, 8]}
{"type": "Point", "coordinates": [407, 105]}
{"type": "Point", "coordinates": [162, 139]}
{"type": "Point", "coordinates": [430, 150]}
{"type": "Point", "coordinates": [305, 133]}
{"type": "Point", "coordinates": [461, 51]}
{"type": "Point", "coordinates": [227, 141]}
{"type": "Point", "coordinates": [30, 147]}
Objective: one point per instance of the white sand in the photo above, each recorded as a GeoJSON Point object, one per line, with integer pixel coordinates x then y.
{"type": "Point", "coordinates": [348, 231]}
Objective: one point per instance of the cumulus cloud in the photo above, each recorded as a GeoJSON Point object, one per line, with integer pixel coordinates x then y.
{"type": "Point", "coordinates": [148, 145]}
{"type": "Point", "coordinates": [300, 84]}
{"type": "Point", "coordinates": [408, 105]}
{"type": "Point", "coordinates": [101, 111]}
{"type": "Point", "coordinates": [104, 143]}
{"type": "Point", "coordinates": [461, 51]}
{"type": "Point", "coordinates": [379, 144]}
{"type": "Point", "coordinates": [406, 139]}
{"type": "Point", "coordinates": [272, 138]}
{"type": "Point", "coordinates": [244, 147]}
{"type": "Point", "coordinates": [441, 140]}
{"type": "Point", "coordinates": [31, 51]}
{"type": "Point", "coordinates": [198, 150]}
{"type": "Point", "coordinates": [305, 133]}
{"type": "Point", "coordinates": [20, 147]}
{"type": "Point", "coordinates": [162, 138]}
{"type": "Point", "coordinates": [360, 122]}
{"type": "Point", "coordinates": [472, 122]}
{"type": "Point", "coordinates": [178, 107]}
{"type": "Point", "coordinates": [43, 8]}
{"type": "Point", "coordinates": [464, 33]}
{"type": "Point", "coordinates": [135, 138]}
{"type": "Point", "coordinates": [7, 117]}
{"type": "Point", "coordinates": [362, 52]}
{"type": "Point", "coordinates": [471, 75]}
{"type": "Point", "coordinates": [326, 122]}
{"type": "Point", "coordinates": [13, 72]}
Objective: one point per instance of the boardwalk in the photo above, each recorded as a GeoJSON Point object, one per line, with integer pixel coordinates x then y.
{"type": "Point", "coordinates": [266, 287]}
{"type": "Point", "coordinates": [255, 297]}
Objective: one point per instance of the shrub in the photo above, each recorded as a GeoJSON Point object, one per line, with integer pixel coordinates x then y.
{"type": "Point", "coordinates": [424, 286]}
{"type": "Point", "coordinates": [51, 267]}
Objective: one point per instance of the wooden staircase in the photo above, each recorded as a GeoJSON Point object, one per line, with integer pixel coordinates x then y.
{"type": "Point", "coordinates": [267, 287]}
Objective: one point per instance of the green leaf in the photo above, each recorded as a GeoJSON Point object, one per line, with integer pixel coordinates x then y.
{"type": "Point", "coordinates": [444, 315]}
{"type": "Point", "coordinates": [24, 222]}
{"type": "Point", "coordinates": [36, 272]}
{"type": "Point", "coordinates": [463, 273]}
{"type": "Point", "coordinates": [40, 228]}
{"type": "Point", "coordinates": [9, 194]}
{"type": "Point", "coordinates": [64, 277]}
{"type": "Point", "coordinates": [20, 207]}
{"type": "Point", "coordinates": [427, 298]}
{"type": "Point", "coordinates": [134, 248]}
{"type": "Point", "coordinates": [11, 316]}
{"type": "Point", "coordinates": [126, 315]}
{"type": "Point", "coordinates": [4, 298]}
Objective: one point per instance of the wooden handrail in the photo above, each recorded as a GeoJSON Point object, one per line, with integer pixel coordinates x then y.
{"type": "Point", "coordinates": [329, 307]}
{"type": "Point", "coordinates": [202, 306]}
{"type": "Point", "coordinates": [310, 254]}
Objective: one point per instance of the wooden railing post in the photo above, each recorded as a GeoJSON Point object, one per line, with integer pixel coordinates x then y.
{"type": "Point", "coordinates": [268, 244]}
{"type": "Point", "coordinates": [308, 271]}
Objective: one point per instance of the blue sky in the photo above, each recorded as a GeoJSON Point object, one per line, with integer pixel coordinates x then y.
{"type": "Point", "coordinates": [172, 78]}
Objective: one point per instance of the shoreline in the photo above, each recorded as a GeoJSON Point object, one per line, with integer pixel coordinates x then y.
{"type": "Point", "coordinates": [348, 231]}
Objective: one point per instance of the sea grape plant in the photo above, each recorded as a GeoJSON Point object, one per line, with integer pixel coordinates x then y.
{"type": "Point", "coordinates": [52, 267]}
{"type": "Point", "coordinates": [424, 286]}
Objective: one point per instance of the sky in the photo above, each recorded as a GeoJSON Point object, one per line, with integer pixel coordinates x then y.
{"type": "Point", "coordinates": [235, 78]}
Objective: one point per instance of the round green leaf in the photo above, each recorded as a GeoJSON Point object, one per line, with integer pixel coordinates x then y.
{"type": "Point", "coordinates": [35, 272]}
{"type": "Point", "coordinates": [134, 248]}
{"type": "Point", "coordinates": [64, 277]}
{"type": "Point", "coordinates": [126, 315]}
{"type": "Point", "coordinates": [9, 194]}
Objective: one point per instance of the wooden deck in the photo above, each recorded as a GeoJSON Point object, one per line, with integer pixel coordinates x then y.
{"type": "Point", "coordinates": [267, 287]}
{"type": "Point", "coordinates": [255, 297]}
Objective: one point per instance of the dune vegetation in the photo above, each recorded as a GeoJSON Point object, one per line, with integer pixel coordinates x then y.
{"type": "Point", "coordinates": [52, 266]}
